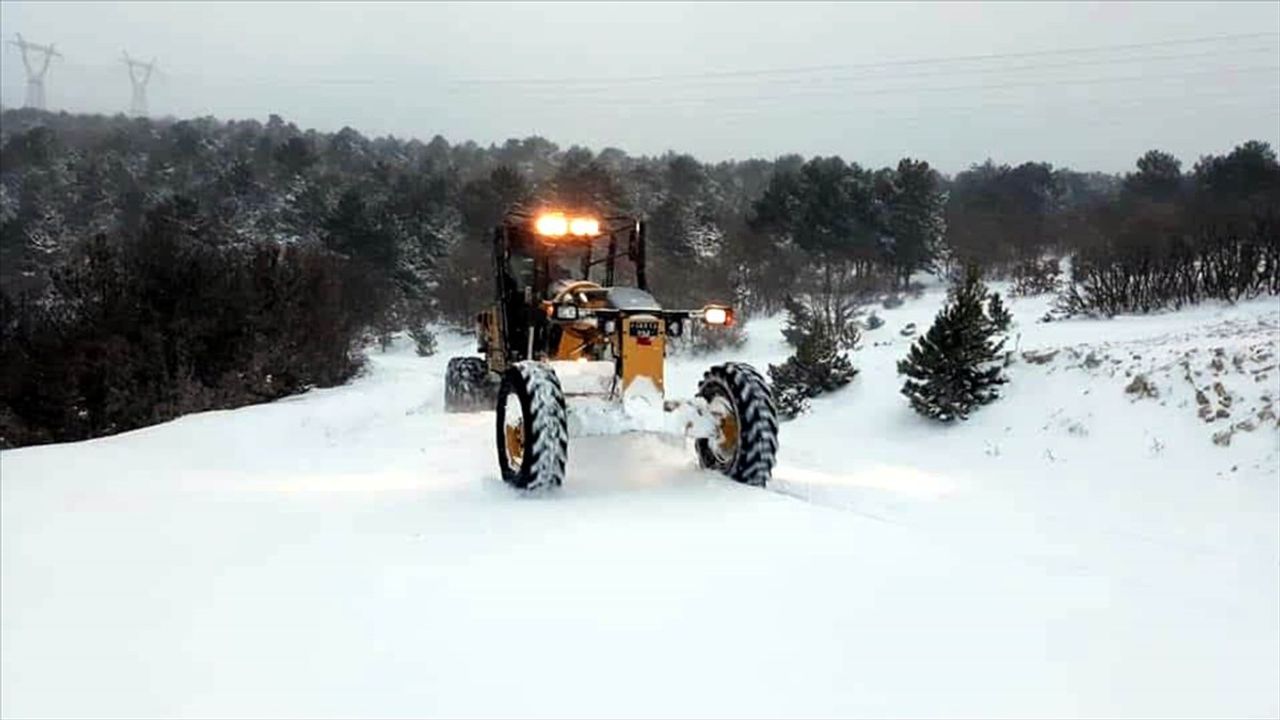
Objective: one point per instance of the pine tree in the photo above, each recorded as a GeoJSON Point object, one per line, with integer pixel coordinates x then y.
{"type": "Point", "coordinates": [818, 366]}
{"type": "Point", "coordinates": [799, 321]}
{"type": "Point", "coordinates": [1000, 316]}
{"type": "Point", "coordinates": [804, 318]}
{"type": "Point", "coordinates": [914, 208]}
{"type": "Point", "coordinates": [952, 369]}
{"type": "Point", "coordinates": [424, 340]}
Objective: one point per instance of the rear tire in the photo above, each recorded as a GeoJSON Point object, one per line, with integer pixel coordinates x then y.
{"type": "Point", "coordinates": [468, 385]}
{"type": "Point", "coordinates": [532, 427]}
{"type": "Point", "coordinates": [741, 400]}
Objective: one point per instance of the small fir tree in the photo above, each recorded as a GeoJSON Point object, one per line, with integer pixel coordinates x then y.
{"type": "Point", "coordinates": [818, 365]}
{"type": "Point", "coordinates": [424, 341]}
{"type": "Point", "coordinates": [799, 322]}
{"type": "Point", "coordinates": [999, 313]}
{"type": "Point", "coordinates": [953, 368]}
{"type": "Point", "coordinates": [838, 319]}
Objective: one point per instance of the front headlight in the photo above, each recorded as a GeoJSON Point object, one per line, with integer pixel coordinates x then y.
{"type": "Point", "coordinates": [716, 315]}
{"type": "Point", "coordinates": [566, 312]}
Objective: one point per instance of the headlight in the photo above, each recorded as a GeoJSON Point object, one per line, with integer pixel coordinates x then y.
{"type": "Point", "coordinates": [610, 326]}
{"type": "Point", "coordinates": [717, 316]}
{"type": "Point", "coordinates": [566, 312]}
{"type": "Point", "coordinates": [556, 224]}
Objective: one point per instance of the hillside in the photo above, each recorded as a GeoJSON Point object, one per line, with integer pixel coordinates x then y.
{"type": "Point", "coordinates": [1075, 549]}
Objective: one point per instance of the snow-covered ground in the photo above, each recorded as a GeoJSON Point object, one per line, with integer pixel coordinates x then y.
{"type": "Point", "coordinates": [1072, 550]}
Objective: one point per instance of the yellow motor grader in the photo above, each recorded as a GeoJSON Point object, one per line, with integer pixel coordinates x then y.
{"type": "Point", "coordinates": [575, 334]}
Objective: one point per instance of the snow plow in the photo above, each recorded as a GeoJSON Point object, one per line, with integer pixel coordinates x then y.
{"type": "Point", "coordinates": [575, 344]}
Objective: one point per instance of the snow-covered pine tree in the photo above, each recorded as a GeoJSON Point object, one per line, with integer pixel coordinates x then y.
{"type": "Point", "coordinates": [799, 322]}
{"type": "Point", "coordinates": [789, 400]}
{"type": "Point", "coordinates": [818, 365]}
{"type": "Point", "coordinates": [953, 368]}
{"type": "Point", "coordinates": [424, 340]}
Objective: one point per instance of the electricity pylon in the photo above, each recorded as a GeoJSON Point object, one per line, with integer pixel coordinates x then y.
{"type": "Point", "coordinates": [35, 77]}
{"type": "Point", "coordinates": [139, 76]}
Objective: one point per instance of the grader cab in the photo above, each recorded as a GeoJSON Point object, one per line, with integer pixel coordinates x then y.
{"type": "Point", "coordinates": [574, 342]}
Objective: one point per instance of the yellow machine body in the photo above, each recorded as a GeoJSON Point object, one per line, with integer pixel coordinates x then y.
{"type": "Point", "coordinates": [642, 350]}
{"type": "Point", "coordinates": [574, 343]}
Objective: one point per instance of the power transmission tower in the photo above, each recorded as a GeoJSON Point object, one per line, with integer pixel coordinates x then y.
{"type": "Point", "coordinates": [35, 77]}
{"type": "Point", "coordinates": [139, 76]}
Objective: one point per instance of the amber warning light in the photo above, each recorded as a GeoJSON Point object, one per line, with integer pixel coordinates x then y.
{"type": "Point", "coordinates": [558, 225]}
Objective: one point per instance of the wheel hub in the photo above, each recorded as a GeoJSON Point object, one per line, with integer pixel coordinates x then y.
{"type": "Point", "coordinates": [725, 446]}
{"type": "Point", "coordinates": [513, 432]}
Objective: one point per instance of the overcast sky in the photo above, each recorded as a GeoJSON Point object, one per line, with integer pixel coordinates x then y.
{"type": "Point", "coordinates": [1090, 86]}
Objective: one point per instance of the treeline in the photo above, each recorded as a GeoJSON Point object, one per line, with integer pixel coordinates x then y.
{"type": "Point", "coordinates": [151, 268]}
{"type": "Point", "coordinates": [1171, 239]}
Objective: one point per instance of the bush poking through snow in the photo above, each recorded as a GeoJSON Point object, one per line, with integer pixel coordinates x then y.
{"type": "Point", "coordinates": [1141, 387]}
{"type": "Point", "coordinates": [1000, 316]}
{"type": "Point", "coordinates": [1036, 277]}
{"type": "Point", "coordinates": [818, 365]}
{"type": "Point", "coordinates": [1039, 357]}
{"type": "Point", "coordinates": [702, 339]}
{"type": "Point", "coordinates": [806, 319]}
{"type": "Point", "coordinates": [954, 367]}
{"type": "Point", "coordinates": [424, 341]}
{"type": "Point", "coordinates": [791, 401]}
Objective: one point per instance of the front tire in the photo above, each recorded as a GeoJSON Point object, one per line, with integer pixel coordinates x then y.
{"type": "Point", "coordinates": [745, 447]}
{"type": "Point", "coordinates": [532, 427]}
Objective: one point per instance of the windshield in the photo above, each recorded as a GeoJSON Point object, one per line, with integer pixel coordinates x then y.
{"type": "Point", "coordinates": [566, 266]}
{"type": "Point", "coordinates": [564, 262]}
{"type": "Point", "coordinates": [520, 268]}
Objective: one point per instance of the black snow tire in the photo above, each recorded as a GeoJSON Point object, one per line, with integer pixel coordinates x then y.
{"type": "Point", "coordinates": [468, 385]}
{"type": "Point", "coordinates": [543, 427]}
{"type": "Point", "coordinates": [747, 391]}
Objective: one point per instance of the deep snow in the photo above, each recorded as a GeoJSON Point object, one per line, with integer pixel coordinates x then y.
{"type": "Point", "coordinates": [1070, 551]}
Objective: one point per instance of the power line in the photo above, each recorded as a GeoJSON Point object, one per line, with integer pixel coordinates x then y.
{"type": "Point", "coordinates": [930, 72]}
{"type": "Point", "coordinates": [881, 64]}
{"type": "Point", "coordinates": [1097, 112]}
{"type": "Point", "coordinates": [588, 87]}
{"type": "Point", "coordinates": [1201, 99]}
{"type": "Point", "coordinates": [792, 94]}
{"type": "Point", "coordinates": [1165, 106]}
